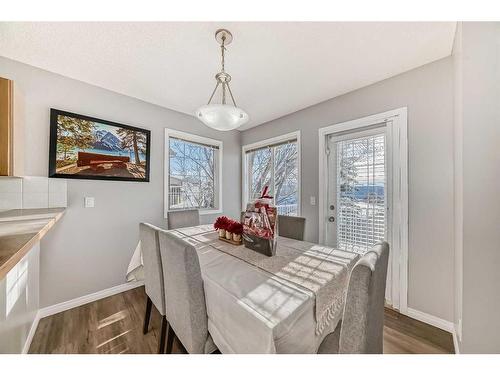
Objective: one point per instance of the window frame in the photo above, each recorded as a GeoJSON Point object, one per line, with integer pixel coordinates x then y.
{"type": "Point", "coordinates": [189, 137]}
{"type": "Point", "coordinates": [268, 143]}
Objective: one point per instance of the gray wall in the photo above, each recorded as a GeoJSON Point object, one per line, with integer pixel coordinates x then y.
{"type": "Point", "coordinates": [89, 249]}
{"type": "Point", "coordinates": [428, 94]}
{"type": "Point", "coordinates": [458, 180]}
{"type": "Point", "coordinates": [481, 182]}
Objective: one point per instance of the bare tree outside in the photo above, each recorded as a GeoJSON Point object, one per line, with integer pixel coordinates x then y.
{"type": "Point", "coordinates": [276, 167]}
{"type": "Point", "coordinates": [260, 171]}
{"type": "Point", "coordinates": [286, 174]}
{"type": "Point", "coordinates": [192, 174]}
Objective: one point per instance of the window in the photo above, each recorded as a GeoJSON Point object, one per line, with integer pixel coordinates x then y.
{"type": "Point", "coordinates": [274, 163]}
{"type": "Point", "coordinates": [193, 178]}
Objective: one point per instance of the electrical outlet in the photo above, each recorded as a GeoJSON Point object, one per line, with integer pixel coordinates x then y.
{"type": "Point", "coordinates": [313, 200]}
{"type": "Point", "coordinates": [89, 202]}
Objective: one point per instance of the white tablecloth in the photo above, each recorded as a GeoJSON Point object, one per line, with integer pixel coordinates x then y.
{"type": "Point", "coordinates": [248, 311]}
{"type": "Point", "coordinates": [135, 271]}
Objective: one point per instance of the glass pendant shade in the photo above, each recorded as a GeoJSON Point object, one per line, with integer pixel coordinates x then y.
{"type": "Point", "coordinates": [222, 116]}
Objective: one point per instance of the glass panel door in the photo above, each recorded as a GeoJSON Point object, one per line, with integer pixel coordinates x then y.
{"type": "Point", "coordinates": [357, 180]}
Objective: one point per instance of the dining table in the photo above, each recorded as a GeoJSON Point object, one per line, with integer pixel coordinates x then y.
{"type": "Point", "coordinates": [286, 303]}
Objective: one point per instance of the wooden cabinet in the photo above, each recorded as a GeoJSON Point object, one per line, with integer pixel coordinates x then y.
{"type": "Point", "coordinates": [6, 127]}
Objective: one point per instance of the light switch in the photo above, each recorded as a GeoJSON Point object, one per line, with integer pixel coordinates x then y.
{"type": "Point", "coordinates": [313, 200]}
{"type": "Point", "coordinates": [89, 202]}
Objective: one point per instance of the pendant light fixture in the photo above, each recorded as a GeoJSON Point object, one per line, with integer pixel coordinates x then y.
{"type": "Point", "coordinates": [222, 116]}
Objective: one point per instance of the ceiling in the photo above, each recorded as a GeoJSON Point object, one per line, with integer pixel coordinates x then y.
{"type": "Point", "coordinates": [277, 67]}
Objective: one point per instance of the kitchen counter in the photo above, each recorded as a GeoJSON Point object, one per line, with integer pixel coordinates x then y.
{"type": "Point", "coordinates": [20, 230]}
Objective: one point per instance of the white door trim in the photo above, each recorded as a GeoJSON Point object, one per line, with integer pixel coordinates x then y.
{"type": "Point", "coordinates": [397, 136]}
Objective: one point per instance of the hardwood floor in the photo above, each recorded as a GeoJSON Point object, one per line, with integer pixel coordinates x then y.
{"type": "Point", "coordinates": [113, 325]}
{"type": "Point", "coordinates": [404, 335]}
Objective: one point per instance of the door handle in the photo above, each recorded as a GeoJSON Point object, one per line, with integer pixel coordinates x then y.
{"type": "Point", "coordinates": [331, 219]}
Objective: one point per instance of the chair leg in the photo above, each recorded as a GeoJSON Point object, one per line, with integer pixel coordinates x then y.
{"type": "Point", "coordinates": [163, 332]}
{"type": "Point", "coordinates": [181, 347]}
{"type": "Point", "coordinates": [149, 303]}
{"type": "Point", "coordinates": [170, 339]}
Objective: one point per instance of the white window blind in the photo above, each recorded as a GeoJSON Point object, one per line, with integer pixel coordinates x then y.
{"type": "Point", "coordinates": [361, 193]}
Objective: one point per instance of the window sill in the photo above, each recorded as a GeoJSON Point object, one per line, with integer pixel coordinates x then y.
{"type": "Point", "coordinates": [201, 212]}
{"type": "Point", "coordinates": [210, 212]}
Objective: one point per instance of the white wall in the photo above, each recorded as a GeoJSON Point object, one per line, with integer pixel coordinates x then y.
{"type": "Point", "coordinates": [458, 178]}
{"type": "Point", "coordinates": [89, 249]}
{"type": "Point", "coordinates": [428, 94]}
{"type": "Point", "coordinates": [481, 182]}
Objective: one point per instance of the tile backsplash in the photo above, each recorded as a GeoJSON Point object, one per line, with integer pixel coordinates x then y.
{"type": "Point", "coordinates": [32, 192]}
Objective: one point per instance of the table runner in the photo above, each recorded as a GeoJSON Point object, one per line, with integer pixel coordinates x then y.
{"type": "Point", "coordinates": [322, 270]}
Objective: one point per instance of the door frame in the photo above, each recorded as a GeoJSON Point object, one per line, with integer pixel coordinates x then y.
{"type": "Point", "coordinates": [397, 139]}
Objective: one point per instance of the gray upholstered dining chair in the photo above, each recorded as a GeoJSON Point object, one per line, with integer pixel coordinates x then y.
{"type": "Point", "coordinates": [291, 227]}
{"type": "Point", "coordinates": [361, 328]}
{"type": "Point", "coordinates": [186, 309]}
{"type": "Point", "coordinates": [182, 219]}
{"type": "Point", "coordinates": [153, 282]}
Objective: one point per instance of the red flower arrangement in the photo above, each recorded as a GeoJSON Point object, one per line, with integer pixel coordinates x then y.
{"type": "Point", "coordinates": [235, 227]}
{"type": "Point", "coordinates": [222, 222]}
{"type": "Point", "coordinates": [228, 224]}
{"type": "Point", "coordinates": [228, 228]}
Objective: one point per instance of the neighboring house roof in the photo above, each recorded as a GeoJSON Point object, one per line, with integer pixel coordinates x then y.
{"type": "Point", "coordinates": [174, 181]}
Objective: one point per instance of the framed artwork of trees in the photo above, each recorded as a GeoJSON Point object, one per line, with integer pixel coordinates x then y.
{"type": "Point", "coordinates": [84, 147]}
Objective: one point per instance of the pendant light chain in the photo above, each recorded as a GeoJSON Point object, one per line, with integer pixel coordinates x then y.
{"type": "Point", "coordinates": [222, 77]}
{"type": "Point", "coordinates": [222, 49]}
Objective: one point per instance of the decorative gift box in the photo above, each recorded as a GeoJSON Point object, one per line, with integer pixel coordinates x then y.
{"type": "Point", "coordinates": [260, 225]}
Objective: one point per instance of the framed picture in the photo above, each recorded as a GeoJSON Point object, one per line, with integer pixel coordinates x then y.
{"type": "Point", "coordinates": [84, 147]}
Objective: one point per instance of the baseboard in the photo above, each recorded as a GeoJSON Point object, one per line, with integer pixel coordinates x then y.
{"type": "Point", "coordinates": [431, 319]}
{"type": "Point", "coordinates": [63, 306]}
{"type": "Point", "coordinates": [31, 333]}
